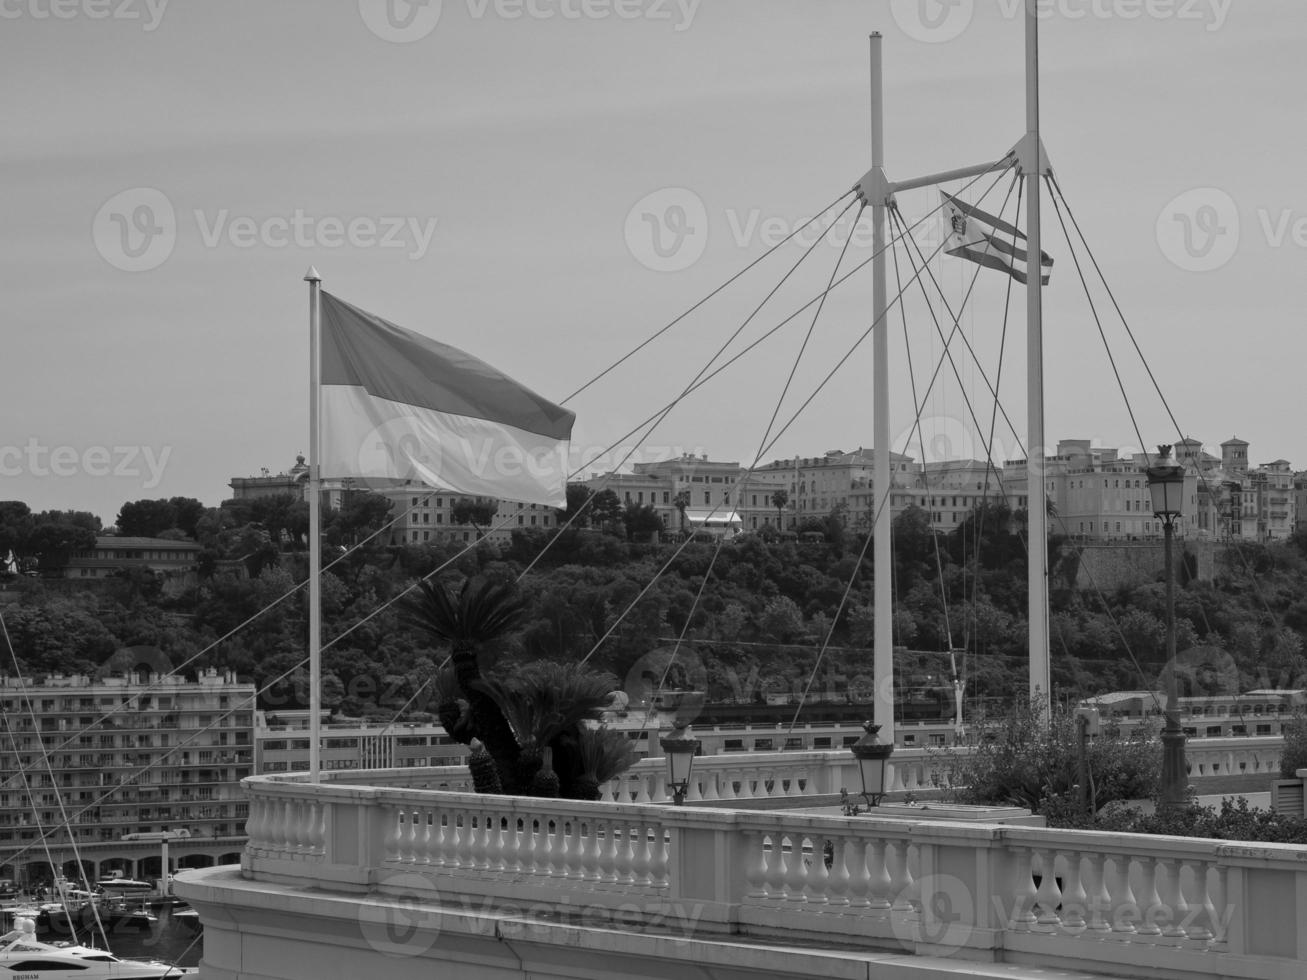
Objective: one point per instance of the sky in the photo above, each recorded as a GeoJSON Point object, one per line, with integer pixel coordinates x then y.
{"type": "Point", "coordinates": [547, 183]}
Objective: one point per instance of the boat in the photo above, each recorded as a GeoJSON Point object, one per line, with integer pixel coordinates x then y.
{"type": "Point", "coordinates": [22, 954]}
{"type": "Point", "coordinates": [186, 915]}
{"type": "Point", "coordinates": [116, 881]}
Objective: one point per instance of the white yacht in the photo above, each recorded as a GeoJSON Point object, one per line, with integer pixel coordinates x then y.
{"type": "Point", "coordinates": [22, 954]}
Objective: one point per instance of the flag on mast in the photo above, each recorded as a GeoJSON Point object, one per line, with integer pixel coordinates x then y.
{"type": "Point", "coordinates": [397, 405]}
{"type": "Point", "coordinates": [973, 234]}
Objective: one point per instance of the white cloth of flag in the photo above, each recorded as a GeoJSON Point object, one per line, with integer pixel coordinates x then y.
{"type": "Point", "coordinates": [972, 234]}
{"type": "Point", "coordinates": [399, 406]}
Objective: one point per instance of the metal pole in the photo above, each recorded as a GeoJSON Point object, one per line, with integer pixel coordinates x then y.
{"type": "Point", "coordinates": [315, 525]}
{"type": "Point", "coordinates": [1037, 583]}
{"type": "Point", "coordinates": [883, 655]}
{"type": "Point", "coordinates": [1175, 778]}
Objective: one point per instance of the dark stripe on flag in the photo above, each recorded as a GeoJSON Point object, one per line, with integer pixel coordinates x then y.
{"type": "Point", "coordinates": [359, 348]}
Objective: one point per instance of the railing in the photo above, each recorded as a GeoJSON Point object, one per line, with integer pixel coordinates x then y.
{"type": "Point", "coordinates": [1086, 900]}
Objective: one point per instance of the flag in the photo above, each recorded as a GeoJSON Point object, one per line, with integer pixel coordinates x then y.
{"type": "Point", "coordinates": [397, 405]}
{"type": "Point", "coordinates": [972, 234]}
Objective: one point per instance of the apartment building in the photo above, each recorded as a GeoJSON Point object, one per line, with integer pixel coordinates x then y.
{"type": "Point", "coordinates": [281, 744]}
{"type": "Point", "coordinates": [94, 758]}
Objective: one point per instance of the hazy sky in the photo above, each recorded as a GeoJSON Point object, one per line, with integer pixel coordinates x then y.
{"type": "Point", "coordinates": [546, 183]}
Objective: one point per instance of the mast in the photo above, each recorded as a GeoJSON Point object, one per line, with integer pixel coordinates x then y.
{"type": "Point", "coordinates": [315, 525]}
{"type": "Point", "coordinates": [883, 633]}
{"type": "Point", "coordinates": [1032, 170]}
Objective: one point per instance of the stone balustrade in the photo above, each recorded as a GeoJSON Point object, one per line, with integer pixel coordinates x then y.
{"type": "Point", "coordinates": [1091, 901]}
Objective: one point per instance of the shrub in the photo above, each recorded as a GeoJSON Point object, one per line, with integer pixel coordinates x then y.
{"type": "Point", "coordinates": [1294, 755]}
{"type": "Point", "coordinates": [1020, 759]}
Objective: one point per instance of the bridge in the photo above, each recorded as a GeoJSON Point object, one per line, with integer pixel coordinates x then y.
{"type": "Point", "coordinates": [406, 873]}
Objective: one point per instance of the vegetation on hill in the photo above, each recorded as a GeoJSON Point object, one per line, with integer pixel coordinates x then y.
{"type": "Point", "coordinates": [766, 610]}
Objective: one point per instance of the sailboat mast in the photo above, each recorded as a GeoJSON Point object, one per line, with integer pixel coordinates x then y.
{"type": "Point", "coordinates": [1032, 170]}
{"type": "Point", "coordinates": [883, 634]}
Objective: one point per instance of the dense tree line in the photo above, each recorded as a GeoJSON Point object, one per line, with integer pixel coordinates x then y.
{"type": "Point", "coordinates": [609, 591]}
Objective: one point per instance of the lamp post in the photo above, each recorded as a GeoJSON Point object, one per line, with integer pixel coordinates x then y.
{"type": "Point", "coordinates": [1166, 484]}
{"type": "Point", "coordinates": [679, 749]}
{"type": "Point", "coordinates": [872, 755]}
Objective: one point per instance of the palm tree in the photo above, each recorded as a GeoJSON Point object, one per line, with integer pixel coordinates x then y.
{"type": "Point", "coordinates": [779, 499]}
{"type": "Point", "coordinates": [481, 613]}
{"type": "Point", "coordinates": [682, 501]}
{"type": "Point", "coordinates": [528, 730]}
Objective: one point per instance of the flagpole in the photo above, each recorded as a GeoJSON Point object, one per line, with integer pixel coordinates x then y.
{"type": "Point", "coordinates": [882, 629]}
{"type": "Point", "coordinates": [1037, 564]}
{"type": "Point", "coordinates": [315, 524]}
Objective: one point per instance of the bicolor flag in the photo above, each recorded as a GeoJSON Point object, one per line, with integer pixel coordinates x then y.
{"type": "Point", "coordinates": [972, 234]}
{"type": "Point", "coordinates": [399, 406]}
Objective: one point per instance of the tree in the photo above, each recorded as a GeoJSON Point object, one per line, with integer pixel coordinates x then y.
{"type": "Point", "coordinates": [146, 518]}
{"type": "Point", "coordinates": [478, 513]}
{"type": "Point", "coordinates": [682, 502]}
{"type": "Point", "coordinates": [606, 510]}
{"type": "Point", "coordinates": [641, 520]}
{"type": "Point", "coordinates": [779, 499]}
{"type": "Point", "coordinates": [578, 501]}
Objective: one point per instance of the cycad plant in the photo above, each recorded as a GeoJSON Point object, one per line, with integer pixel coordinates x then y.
{"type": "Point", "coordinates": [529, 726]}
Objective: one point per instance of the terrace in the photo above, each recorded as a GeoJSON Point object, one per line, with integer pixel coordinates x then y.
{"type": "Point", "coordinates": [404, 873]}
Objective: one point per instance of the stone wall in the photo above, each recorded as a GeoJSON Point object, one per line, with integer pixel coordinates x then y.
{"type": "Point", "coordinates": [1128, 564]}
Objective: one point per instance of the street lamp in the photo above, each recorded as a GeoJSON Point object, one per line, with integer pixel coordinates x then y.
{"type": "Point", "coordinates": [679, 749]}
{"type": "Point", "coordinates": [872, 755]}
{"type": "Point", "coordinates": [1166, 484]}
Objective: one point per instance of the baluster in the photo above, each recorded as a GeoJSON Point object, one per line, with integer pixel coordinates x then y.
{"type": "Point", "coordinates": [1124, 910]}
{"type": "Point", "coordinates": [1023, 902]}
{"type": "Point", "coordinates": [1098, 899]}
{"type": "Point", "coordinates": [568, 858]}
{"type": "Point", "coordinates": [661, 850]}
{"type": "Point", "coordinates": [776, 870]}
{"type": "Point", "coordinates": [1048, 896]}
{"type": "Point", "coordinates": [622, 852]}
{"type": "Point", "coordinates": [726, 786]}
{"type": "Point", "coordinates": [1173, 900]}
{"type": "Point", "coordinates": [816, 875]}
{"type": "Point", "coordinates": [880, 883]}
{"type": "Point", "coordinates": [901, 881]}
{"type": "Point", "coordinates": [255, 823]}
{"type": "Point", "coordinates": [1074, 897]}
{"type": "Point", "coordinates": [641, 859]}
{"type": "Point", "coordinates": [394, 829]}
{"type": "Point", "coordinates": [494, 843]}
{"type": "Point", "coordinates": [795, 871]}
{"type": "Point", "coordinates": [838, 878]}
{"type": "Point", "coordinates": [755, 874]}
{"type": "Point", "coordinates": [1219, 914]}
{"type": "Point", "coordinates": [456, 841]}
{"type": "Point", "coordinates": [860, 880]}
{"type": "Point", "coordinates": [1149, 899]}
{"type": "Point", "coordinates": [475, 824]}
{"type": "Point", "coordinates": [592, 853]}
{"type": "Point", "coordinates": [1199, 926]}
{"type": "Point", "coordinates": [609, 855]}
{"type": "Point", "coordinates": [320, 831]}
